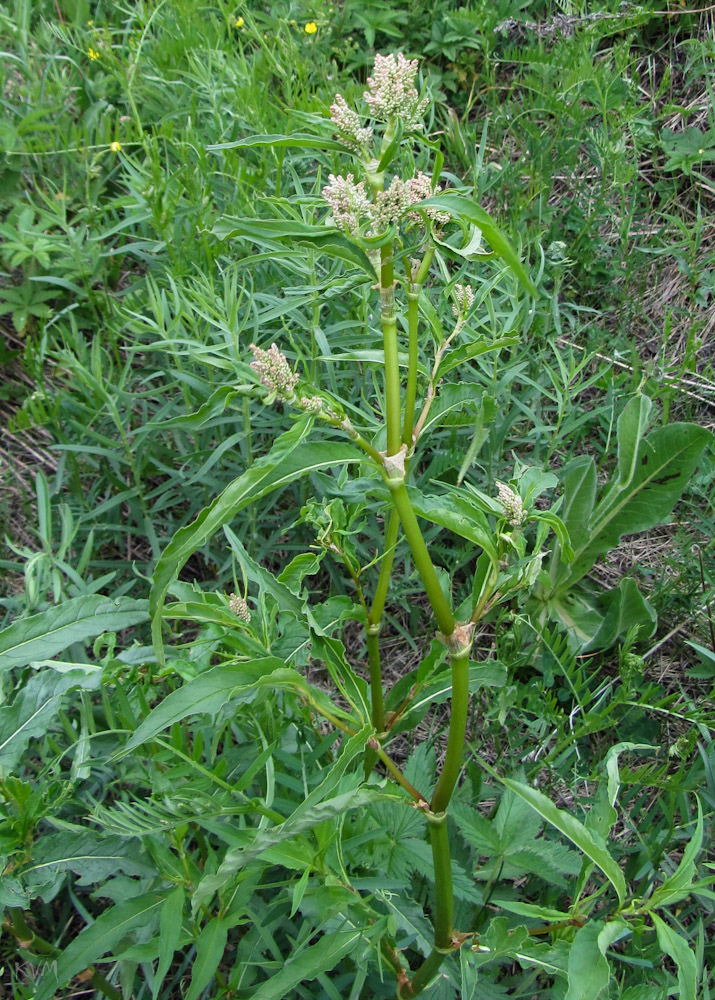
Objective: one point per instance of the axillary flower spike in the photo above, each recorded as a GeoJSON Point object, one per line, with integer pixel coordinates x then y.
{"type": "Point", "coordinates": [274, 371]}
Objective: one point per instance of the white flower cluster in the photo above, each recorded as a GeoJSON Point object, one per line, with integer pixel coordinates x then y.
{"type": "Point", "coordinates": [421, 188]}
{"type": "Point", "coordinates": [463, 298]}
{"type": "Point", "coordinates": [239, 607]}
{"type": "Point", "coordinates": [511, 504]}
{"type": "Point", "coordinates": [391, 92]}
{"type": "Point", "coordinates": [274, 371]}
{"type": "Point", "coordinates": [347, 123]}
{"type": "Point", "coordinates": [313, 404]}
{"type": "Point", "coordinates": [348, 202]}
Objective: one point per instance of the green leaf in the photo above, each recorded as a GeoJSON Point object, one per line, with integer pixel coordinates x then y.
{"type": "Point", "coordinates": [207, 693]}
{"type": "Point", "coordinates": [210, 947]}
{"type": "Point", "coordinates": [465, 208]}
{"type": "Point", "coordinates": [578, 479]}
{"type": "Point", "coordinates": [632, 425]}
{"type": "Point", "coordinates": [297, 139]}
{"type": "Point", "coordinates": [679, 885]}
{"type": "Point", "coordinates": [308, 964]}
{"type": "Point", "coordinates": [665, 461]}
{"type": "Point", "coordinates": [453, 512]}
{"type": "Point", "coordinates": [611, 762]}
{"type": "Point", "coordinates": [92, 856]}
{"type": "Point", "coordinates": [287, 461]}
{"type": "Point", "coordinates": [596, 621]}
{"type": "Point", "coordinates": [680, 950]}
{"type": "Point", "coordinates": [97, 939]}
{"type": "Point", "coordinates": [588, 970]}
{"type": "Point", "coordinates": [469, 351]}
{"type": "Point", "coordinates": [34, 708]}
{"type": "Point", "coordinates": [571, 828]}
{"type": "Point", "coordinates": [170, 920]}
{"type": "Point", "coordinates": [326, 238]}
{"type": "Point", "coordinates": [42, 636]}
{"type": "Point", "coordinates": [392, 148]}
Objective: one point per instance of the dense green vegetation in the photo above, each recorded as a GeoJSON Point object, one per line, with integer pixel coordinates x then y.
{"type": "Point", "coordinates": [185, 814]}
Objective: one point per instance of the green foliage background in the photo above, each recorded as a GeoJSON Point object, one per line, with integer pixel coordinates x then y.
{"type": "Point", "coordinates": [588, 132]}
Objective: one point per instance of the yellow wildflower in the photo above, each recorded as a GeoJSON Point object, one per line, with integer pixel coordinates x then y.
{"type": "Point", "coordinates": [239, 22]}
{"type": "Point", "coordinates": [93, 54]}
{"type": "Point", "coordinates": [116, 147]}
{"type": "Point", "coordinates": [311, 27]}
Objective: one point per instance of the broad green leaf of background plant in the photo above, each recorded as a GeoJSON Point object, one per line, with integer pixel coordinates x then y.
{"type": "Point", "coordinates": [463, 207]}
{"type": "Point", "coordinates": [98, 938]}
{"type": "Point", "coordinates": [571, 828]}
{"type": "Point", "coordinates": [596, 621]}
{"type": "Point", "coordinates": [632, 425]}
{"type": "Point", "coordinates": [588, 969]}
{"type": "Point", "coordinates": [42, 636]}
{"type": "Point", "coordinates": [665, 461]}
{"type": "Point", "coordinates": [680, 950]}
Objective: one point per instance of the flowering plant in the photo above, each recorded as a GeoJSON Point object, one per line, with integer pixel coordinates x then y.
{"type": "Point", "coordinates": [401, 914]}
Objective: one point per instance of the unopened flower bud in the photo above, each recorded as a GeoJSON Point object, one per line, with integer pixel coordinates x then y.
{"type": "Point", "coordinates": [313, 404]}
{"type": "Point", "coordinates": [239, 607]}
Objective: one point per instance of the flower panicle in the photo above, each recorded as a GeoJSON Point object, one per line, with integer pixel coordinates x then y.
{"type": "Point", "coordinates": [391, 92]}
{"type": "Point", "coordinates": [274, 371]}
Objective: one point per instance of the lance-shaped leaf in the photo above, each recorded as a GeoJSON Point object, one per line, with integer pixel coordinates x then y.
{"type": "Point", "coordinates": [34, 708]}
{"type": "Point", "coordinates": [284, 463]}
{"type": "Point", "coordinates": [680, 950]}
{"type": "Point", "coordinates": [463, 207]}
{"type": "Point", "coordinates": [97, 939]}
{"type": "Point", "coordinates": [42, 636]}
{"type": "Point", "coordinates": [312, 961]}
{"type": "Point", "coordinates": [588, 969]}
{"type": "Point", "coordinates": [326, 238]}
{"type": "Point", "coordinates": [570, 827]}
{"type": "Point", "coordinates": [296, 140]}
{"type": "Point", "coordinates": [453, 512]}
{"type": "Point", "coordinates": [207, 693]}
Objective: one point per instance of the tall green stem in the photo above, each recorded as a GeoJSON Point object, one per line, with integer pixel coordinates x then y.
{"type": "Point", "coordinates": [423, 560]}
{"type": "Point", "coordinates": [413, 297]}
{"type": "Point", "coordinates": [444, 896]}
{"type": "Point", "coordinates": [457, 732]}
{"type": "Point", "coordinates": [389, 336]}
